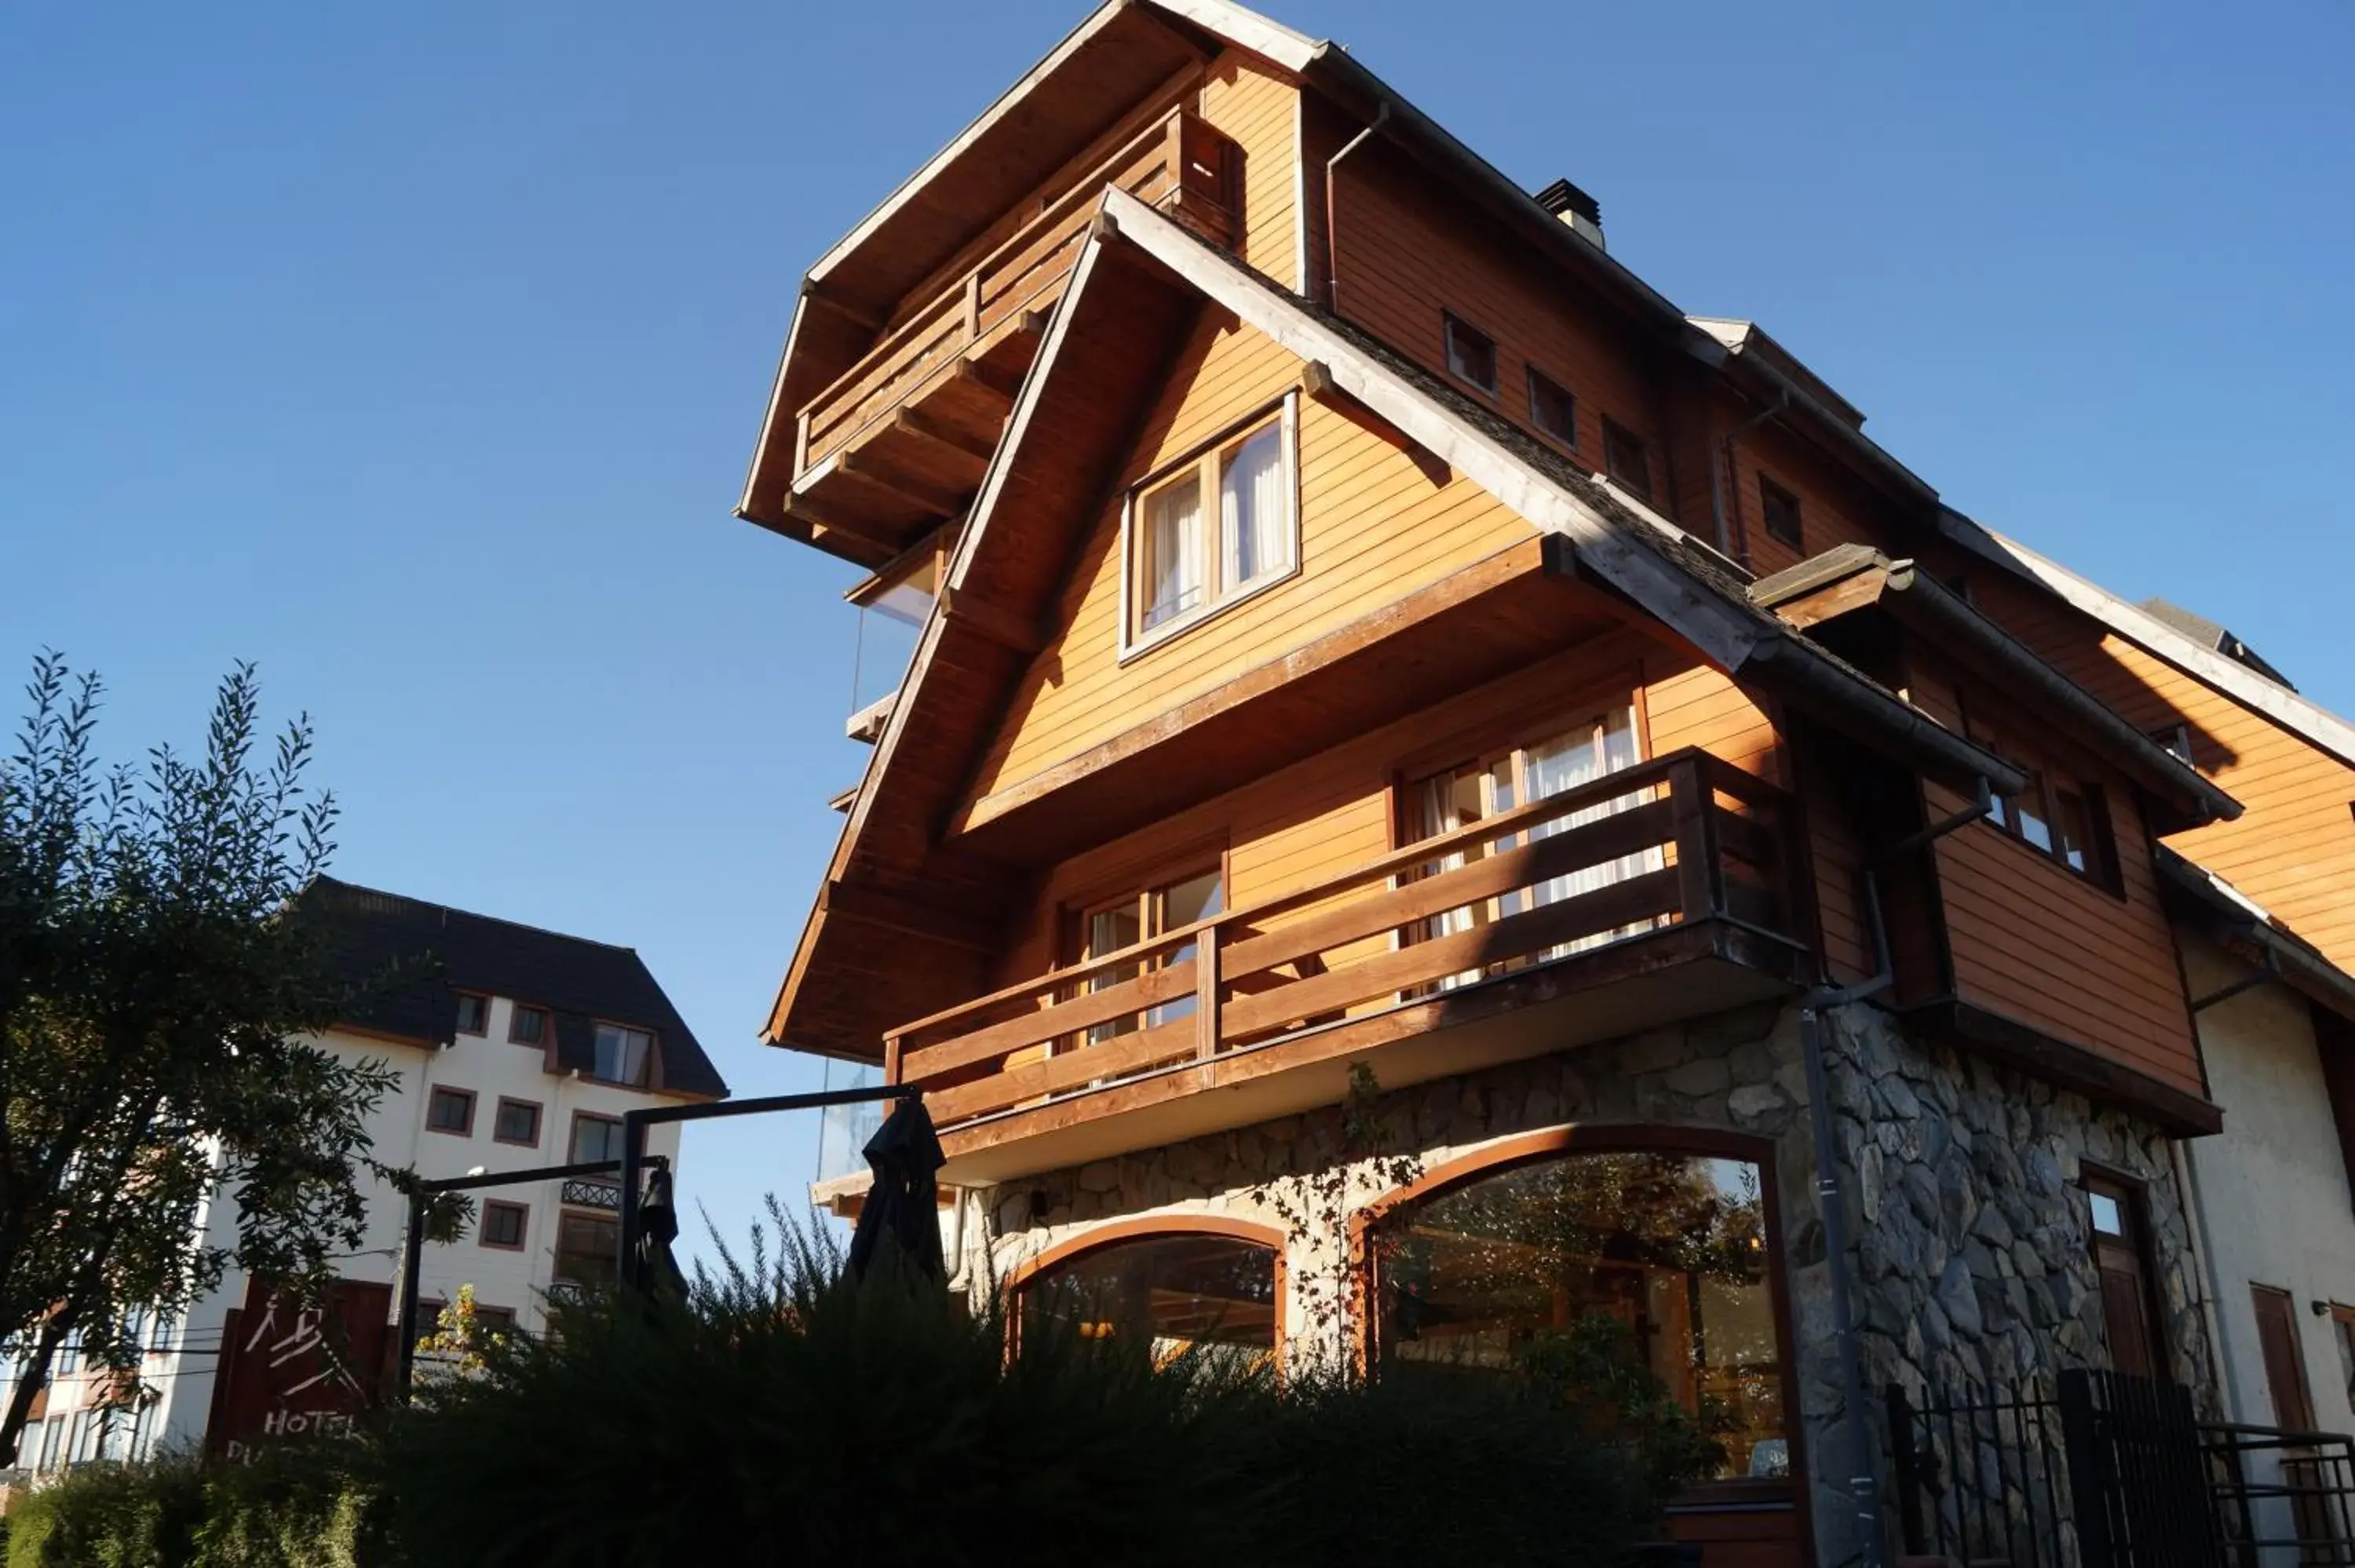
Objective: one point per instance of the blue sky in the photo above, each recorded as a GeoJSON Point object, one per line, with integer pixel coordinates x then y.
{"type": "Point", "coordinates": [416, 352]}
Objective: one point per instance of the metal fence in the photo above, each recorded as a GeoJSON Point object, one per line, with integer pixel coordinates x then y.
{"type": "Point", "coordinates": [2095, 1469]}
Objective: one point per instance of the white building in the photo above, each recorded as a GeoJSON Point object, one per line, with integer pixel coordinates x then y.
{"type": "Point", "coordinates": [518, 1048]}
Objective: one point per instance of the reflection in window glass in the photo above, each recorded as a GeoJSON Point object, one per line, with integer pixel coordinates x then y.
{"type": "Point", "coordinates": [2109, 1218]}
{"type": "Point", "coordinates": [1164, 1295]}
{"type": "Point", "coordinates": [1671, 1246]}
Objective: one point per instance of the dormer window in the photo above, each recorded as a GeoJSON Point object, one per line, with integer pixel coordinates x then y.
{"type": "Point", "coordinates": [529, 1026]}
{"type": "Point", "coordinates": [1221, 525]}
{"type": "Point", "coordinates": [623, 1055]}
{"type": "Point", "coordinates": [1471, 354]}
{"type": "Point", "coordinates": [474, 1013]}
{"type": "Point", "coordinates": [1782, 510]}
{"type": "Point", "coordinates": [1626, 460]}
{"type": "Point", "coordinates": [1553, 410]}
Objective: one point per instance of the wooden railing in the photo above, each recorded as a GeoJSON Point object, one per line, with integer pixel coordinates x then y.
{"type": "Point", "coordinates": [1178, 164]}
{"type": "Point", "coordinates": [1683, 838]}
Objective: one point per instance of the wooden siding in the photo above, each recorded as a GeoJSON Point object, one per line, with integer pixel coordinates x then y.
{"type": "Point", "coordinates": [1407, 253]}
{"type": "Point", "coordinates": [1376, 525]}
{"type": "Point", "coordinates": [2293, 848]}
{"type": "Point", "coordinates": [2035, 942]}
{"type": "Point", "coordinates": [1254, 105]}
{"type": "Point", "coordinates": [1321, 817]}
{"type": "Point", "coordinates": [1835, 506]}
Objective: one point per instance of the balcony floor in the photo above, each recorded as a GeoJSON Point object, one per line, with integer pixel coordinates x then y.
{"type": "Point", "coordinates": [1685, 971]}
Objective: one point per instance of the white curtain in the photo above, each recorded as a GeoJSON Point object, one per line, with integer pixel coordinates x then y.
{"type": "Point", "coordinates": [1255, 535]}
{"type": "Point", "coordinates": [1173, 552]}
{"type": "Point", "coordinates": [1605, 746]}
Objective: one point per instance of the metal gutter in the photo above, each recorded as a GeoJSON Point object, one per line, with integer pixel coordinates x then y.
{"type": "Point", "coordinates": [1879, 719]}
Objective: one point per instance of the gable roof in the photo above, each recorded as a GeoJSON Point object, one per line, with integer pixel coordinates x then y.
{"type": "Point", "coordinates": [1616, 539]}
{"type": "Point", "coordinates": [441, 951]}
{"type": "Point", "coordinates": [2299, 715]}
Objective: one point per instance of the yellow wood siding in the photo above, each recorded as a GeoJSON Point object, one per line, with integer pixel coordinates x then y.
{"type": "Point", "coordinates": [1255, 105]}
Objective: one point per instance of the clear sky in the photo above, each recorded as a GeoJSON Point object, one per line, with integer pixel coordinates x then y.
{"type": "Point", "coordinates": [417, 351]}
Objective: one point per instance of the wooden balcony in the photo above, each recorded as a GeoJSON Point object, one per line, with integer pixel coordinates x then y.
{"type": "Point", "coordinates": [897, 443]}
{"type": "Point", "coordinates": [1660, 892]}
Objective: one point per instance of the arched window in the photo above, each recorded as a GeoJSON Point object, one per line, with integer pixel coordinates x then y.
{"type": "Point", "coordinates": [1166, 1290]}
{"type": "Point", "coordinates": [1472, 1273]}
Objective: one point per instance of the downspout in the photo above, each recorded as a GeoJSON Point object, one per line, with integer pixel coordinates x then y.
{"type": "Point", "coordinates": [1721, 474]}
{"type": "Point", "coordinates": [1863, 1485]}
{"type": "Point", "coordinates": [1332, 235]}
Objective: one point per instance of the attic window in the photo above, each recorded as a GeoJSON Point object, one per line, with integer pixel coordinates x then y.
{"type": "Point", "coordinates": [1782, 510]}
{"type": "Point", "coordinates": [529, 1026]}
{"type": "Point", "coordinates": [1625, 458]}
{"type": "Point", "coordinates": [474, 1014]}
{"type": "Point", "coordinates": [622, 1054]}
{"type": "Point", "coordinates": [1553, 410]}
{"type": "Point", "coordinates": [1471, 354]}
{"type": "Point", "coordinates": [1181, 568]}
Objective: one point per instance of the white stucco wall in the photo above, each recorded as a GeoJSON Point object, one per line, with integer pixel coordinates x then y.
{"type": "Point", "coordinates": [2271, 1186]}
{"type": "Point", "coordinates": [490, 1066]}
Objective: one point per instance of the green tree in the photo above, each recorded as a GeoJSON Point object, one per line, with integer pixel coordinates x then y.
{"type": "Point", "coordinates": [155, 987]}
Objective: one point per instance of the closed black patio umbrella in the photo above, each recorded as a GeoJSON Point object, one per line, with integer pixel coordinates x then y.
{"type": "Point", "coordinates": [905, 1155]}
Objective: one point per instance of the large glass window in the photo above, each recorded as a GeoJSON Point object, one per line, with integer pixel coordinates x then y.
{"type": "Point", "coordinates": [1164, 1293]}
{"type": "Point", "coordinates": [892, 610]}
{"type": "Point", "coordinates": [1130, 920]}
{"type": "Point", "coordinates": [1219, 526]}
{"type": "Point", "coordinates": [1671, 1246]}
{"type": "Point", "coordinates": [622, 1054]}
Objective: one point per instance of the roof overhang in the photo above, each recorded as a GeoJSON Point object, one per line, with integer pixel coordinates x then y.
{"type": "Point", "coordinates": [1851, 579]}
{"type": "Point", "coordinates": [2243, 926]}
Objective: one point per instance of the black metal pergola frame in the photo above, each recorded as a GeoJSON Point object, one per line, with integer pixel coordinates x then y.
{"type": "Point", "coordinates": [631, 1168]}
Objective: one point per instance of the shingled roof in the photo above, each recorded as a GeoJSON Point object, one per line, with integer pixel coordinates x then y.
{"type": "Point", "coordinates": [435, 952]}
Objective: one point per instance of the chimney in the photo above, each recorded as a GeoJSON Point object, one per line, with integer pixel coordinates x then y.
{"type": "Point", "coordinates": [1576, 208]}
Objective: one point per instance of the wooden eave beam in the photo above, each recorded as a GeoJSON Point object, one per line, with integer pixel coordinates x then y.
{"type": "Point", "coordinates": [927, 918]}
{"type": "Point", "coordinates": [1001, 385]}
{"type": "Point", "coordinates": [866, 466]}
{"type": "Point", "coordinates": [996, 622]}
{"type": "Point", "coordinates": [933, 433]}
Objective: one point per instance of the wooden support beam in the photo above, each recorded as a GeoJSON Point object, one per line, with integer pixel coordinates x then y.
{"type": "Point", "coordinates": [928, 918]}
{"type": "Point", "coordinates": [814, 515]}
{"type": "Point", "coordinates": [1001, 385]}
{"type": "Point", "coordinates": [858, 315]}
{"type": "Point", "coordinates": [999, 625]}
{"type": "Point", "coordinates": [942, 438]}
{"type": "Point", "coordinates": [875, 471]}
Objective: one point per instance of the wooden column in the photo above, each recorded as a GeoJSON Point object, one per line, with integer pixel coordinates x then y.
{"type": "Point", "coordinates": [1206, 993]}
{"type": "Point", "coordinates": [1693, 807]}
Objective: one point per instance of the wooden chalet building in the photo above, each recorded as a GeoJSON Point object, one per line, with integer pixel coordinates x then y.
{"type": "Point", "coordinates": [1365, 642]}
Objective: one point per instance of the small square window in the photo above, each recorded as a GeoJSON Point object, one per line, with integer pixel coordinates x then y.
{"type": "Point", "coordinates": [1553, 410]}
{"type": "Point", "coordinates": [588, 1248]}
{"type": "Point", "coordinates": [1625, 458]}
{"type": "Point", "coordinates": [474, 1014]}
{"type": "Point", "coordinates": [1221, 525]}
{"type": "Point", "coordinates": [503, 1224]}
{"type": "Point", "coordinates": [451, 1110]}
{"type": "Point", "coordinates": [623, 1055]}
{"type": "Point", "coordinates": [528, 1026]}
{"type": "Point", "coordinates": [2109, 1214]}
{"type": "Point", "coordinates": [517, 1122]}
{"type": "Point", "coordinates": [1471, 354]}
{"type": "Point", "coordinates": [1781, 509]}
{"type": "Point", "coordinates": [594, 1139]}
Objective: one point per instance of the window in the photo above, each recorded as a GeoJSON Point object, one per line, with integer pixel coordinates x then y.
{"type": "Point", "coordinates": [1666, 1253]}
{"type": "Point", "coordinates": [1625, 458]}
{"type": "Point", "coordinates": [2176, 739]}
{"type": "Point", "coordinates": [503, 1224]}
{"type": "Point", "coordinates": [427, 1320]}
{"type": "Point", "coordinates": [595, 1137]}
{"type": "Point", "coordinates": [1471, 354]}
{"type": "Point", "coordinates": [474, 1014]}
{"type": "Point", "coordinates": [1213, 1294]}
{"type": "Point", "coordinates": [2064, 819]}
{"type": "Point", "coordinates": [451, 1110]}
{"type": "Point", "coordinates": [68, 1357]}
{"type": "Point", "coordinates": [588, 1248]}
{"type": "Point", "coordinates": [517, 1122]}
{"type": "Point", "coordinates": [495, 1321]}
{"type": "Point", "coordinates": [528, 1026]}
{"type": "Point", "coordinates": [622, 1054]}
{"type": "Point", "coordinates": [1184, 562]}
{"type": "Point", "coordinates": [1782, 512]}
{"type": "Point", "coordinates": [1552, 408]}
{"type": "Point", "coordinates": [1132, 918]}
{"type": "Point", "coordinates": [2342, 1336]}
{"type": "Point", "coordinates": [53, 1439]}
{"type": "Point", "coordinates": [2122, 1259]}
{"type": "Point", "coordinates": [1474, 791]}
{"type": "Point", "coordinates": [2285, 1366]}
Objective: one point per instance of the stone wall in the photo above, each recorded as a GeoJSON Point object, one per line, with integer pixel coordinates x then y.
{"type": "Point", "coordinates": [1970, 1249]}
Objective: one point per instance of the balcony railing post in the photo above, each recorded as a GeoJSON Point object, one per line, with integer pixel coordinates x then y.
{"type": "Point", "coordinates": [891, 1058]}
{"type": "Point", "coordinates": [1206, 990]}
{"type": "Point", "coordinates": [973, 307]}
{"type": "Point", "coordinates": [1694, 807]}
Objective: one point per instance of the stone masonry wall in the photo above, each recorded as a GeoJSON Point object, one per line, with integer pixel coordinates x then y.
{"type": "Point", "coordinates": [1971, 1248]}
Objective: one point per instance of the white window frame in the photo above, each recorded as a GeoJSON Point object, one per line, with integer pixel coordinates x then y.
{"type": "Point", "coordinates": [1218, 596]}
